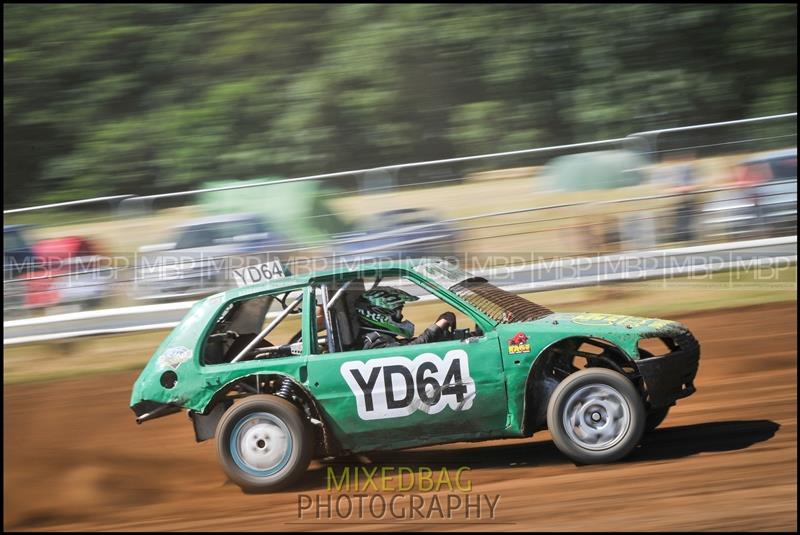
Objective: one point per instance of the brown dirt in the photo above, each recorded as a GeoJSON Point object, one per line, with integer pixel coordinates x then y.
{"type": "Point", "coordinates": [725, 459]}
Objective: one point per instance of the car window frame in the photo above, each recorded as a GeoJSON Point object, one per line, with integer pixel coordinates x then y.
{"type": "Point", "coordinates": [199, 346]}
{"type": "Point", "coordinates": [483, 322]}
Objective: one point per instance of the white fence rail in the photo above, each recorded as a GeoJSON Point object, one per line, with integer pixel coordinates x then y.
{"type": "Point", "coordinates": [141, 318]}
{"type": "Point", "coordinates": [395, 167]}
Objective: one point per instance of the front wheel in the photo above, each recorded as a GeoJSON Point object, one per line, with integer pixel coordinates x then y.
{"type": "Point", "coordinates": [655, 417]}
{"type": "Point", "coordinates": [596, 416]}
{"type": "Point", "coordinates": [264, 443]}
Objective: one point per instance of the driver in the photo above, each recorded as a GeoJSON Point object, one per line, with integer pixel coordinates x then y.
{"type": "Point", "coordinates": [380, 314]}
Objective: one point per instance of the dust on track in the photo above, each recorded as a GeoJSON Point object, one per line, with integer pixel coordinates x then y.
{"type": "Point", "coordinates": [725, 458]}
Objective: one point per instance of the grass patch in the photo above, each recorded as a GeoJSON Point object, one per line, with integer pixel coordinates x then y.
{"type": "Point", "coordinates": [79, 357]}
{"type": "Point", "coordinates": [675, 296]}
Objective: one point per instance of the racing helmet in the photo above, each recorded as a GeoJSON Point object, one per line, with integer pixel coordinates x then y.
{"type": "Point", "coordinates": [382, 308]}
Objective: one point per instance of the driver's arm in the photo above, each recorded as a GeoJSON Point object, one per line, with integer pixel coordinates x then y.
{"type": "Point", "coordinates": [437, 331]}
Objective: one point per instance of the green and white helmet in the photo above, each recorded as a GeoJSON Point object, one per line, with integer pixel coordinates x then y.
{"type": "Point", "coordinates": [382, 308]}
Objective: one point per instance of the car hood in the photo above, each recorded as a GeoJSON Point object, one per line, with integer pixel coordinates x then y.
{"type": "Point", "coordinates": [623, 331]}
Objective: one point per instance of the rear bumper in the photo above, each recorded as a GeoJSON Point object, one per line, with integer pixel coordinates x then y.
{"type": "Point", "coordinates": [668, 378]}
{"type": "Point", "coordinates": [149, 410]}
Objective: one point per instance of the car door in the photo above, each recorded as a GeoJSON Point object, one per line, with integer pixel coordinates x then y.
{"type": "Point", "coordinates": [410, 395]}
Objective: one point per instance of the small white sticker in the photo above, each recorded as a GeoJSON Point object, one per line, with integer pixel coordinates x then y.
{"type": "Point", "coordinates": [174, 357]}
{"type": "Point", "coordinates": [259, 273]}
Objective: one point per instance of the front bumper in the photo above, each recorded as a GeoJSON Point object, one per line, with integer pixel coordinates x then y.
{"type": "Point", "coordinates": [670, 377]}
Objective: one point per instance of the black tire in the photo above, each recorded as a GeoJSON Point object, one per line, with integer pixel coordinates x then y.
{"type": "Point", "coordinates": [654, 418]}
{"type": "Point", "coordinates": [271, 420]}
{"type": "Point", "coordinates": [574, 399]}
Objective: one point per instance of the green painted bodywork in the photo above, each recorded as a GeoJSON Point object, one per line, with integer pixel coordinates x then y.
{"type": "Point", "coordinates": [499, 376]}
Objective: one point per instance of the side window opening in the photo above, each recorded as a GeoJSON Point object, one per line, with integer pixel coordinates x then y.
{"type": "Point", "coordinates": [784, 169]}
{"type": "Point", "coordinates": [350, 328]}
{"type": "Point", "coordinates": [256, 328]}
{"type": "Point", "coordinates": [322, 326]}
{"type": "Point", "coordinates": [424, 313]}
{"type": "Point", "coordinates": [341, 297]}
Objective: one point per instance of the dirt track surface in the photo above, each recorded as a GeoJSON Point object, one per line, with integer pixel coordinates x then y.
{"type": "Point", "coordinates": [725, 459]}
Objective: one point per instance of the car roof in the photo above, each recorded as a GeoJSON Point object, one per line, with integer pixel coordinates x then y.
{"type": "Point", "coordinates": [347, 268]}
{"type": "Point", "coordinates": [772, 155]}
{"type": "Point", "coordinates": [402, 211]}
{"type": "Point", "coordinates": [210, 220]}
{"type": "Point", "coordinates": [402, 217]}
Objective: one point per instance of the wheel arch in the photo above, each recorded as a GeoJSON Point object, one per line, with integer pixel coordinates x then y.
{"type": "Point", "coordinates": [549, 368]}
{"type": "Point", "coordinates": [278, 384]}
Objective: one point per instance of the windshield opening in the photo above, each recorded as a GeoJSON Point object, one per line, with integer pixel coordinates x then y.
{"type": "Point", "coordinates": [500, 305]}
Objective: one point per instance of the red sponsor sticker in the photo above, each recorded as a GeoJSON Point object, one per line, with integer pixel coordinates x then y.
{"type": "Point", "coordinates": [519, 344]}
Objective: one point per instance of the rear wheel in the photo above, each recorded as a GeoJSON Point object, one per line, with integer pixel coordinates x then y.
{"type": "Point", "coordinates": [264, 443]}
{"type": "Point", "coordinates": [596, 416]}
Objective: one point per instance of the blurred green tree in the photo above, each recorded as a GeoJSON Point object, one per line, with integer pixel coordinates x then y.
{"type": "Point", "coordinates": [104, 99]}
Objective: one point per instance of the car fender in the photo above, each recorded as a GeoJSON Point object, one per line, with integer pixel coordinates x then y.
{"type": "Point", "coordinates": [541, 392]}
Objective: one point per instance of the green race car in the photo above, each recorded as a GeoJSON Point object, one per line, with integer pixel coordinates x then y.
{"type": "Point", "coordinates": [594, 380]}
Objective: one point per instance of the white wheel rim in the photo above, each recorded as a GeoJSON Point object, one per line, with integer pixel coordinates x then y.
{"type": "Point", "coordinates": [596, 417]}
{"type": "Point", "coordinates": [261, 444]}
